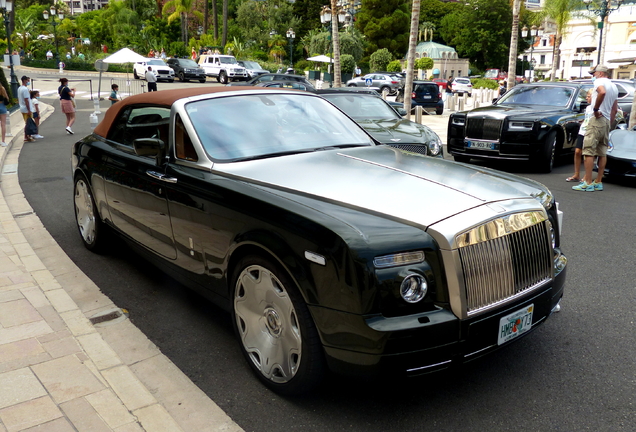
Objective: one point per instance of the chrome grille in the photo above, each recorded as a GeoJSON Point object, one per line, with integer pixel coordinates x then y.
{"type": "Point", "coordinates": [413, 148]}
{"type": "Point", "coordinates": [483, 128]}
{"type": "Point", "coordinates": [504, 259]}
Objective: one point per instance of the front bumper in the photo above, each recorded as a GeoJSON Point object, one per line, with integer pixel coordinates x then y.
{"type": "Point", "coordinates": [422, 343]}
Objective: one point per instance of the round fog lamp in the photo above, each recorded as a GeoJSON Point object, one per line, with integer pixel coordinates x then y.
{"type": "Point", "coordinates": [413, 288]}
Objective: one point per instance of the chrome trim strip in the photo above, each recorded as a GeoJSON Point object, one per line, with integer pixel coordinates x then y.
{"type": "Point", "coordinates": [429, 366]}
{"type": "Point", "coordinates": [499, 227]}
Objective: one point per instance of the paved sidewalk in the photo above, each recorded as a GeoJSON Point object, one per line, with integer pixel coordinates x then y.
{"type": "Point", "coordinates": [60, 371]}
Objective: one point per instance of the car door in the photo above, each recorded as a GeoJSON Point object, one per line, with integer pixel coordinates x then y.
{"type": "Point", "coordinates": [135, 184]}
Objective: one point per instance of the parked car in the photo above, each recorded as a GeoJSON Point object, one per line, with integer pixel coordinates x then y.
{"type": "Point", "coordinates": [621, 154]}
{"type": "Point", "coordinates": [279, 77]}
{"type": "Point", "coordinates": [224, 68]}
{"type": "Point", "coordinates": [531, 122]}
{"type": "Point", "coordinates": [162, 71]}
{"type": "Point", "coordinates": [462, 86]}
{"type": "Point", "coordinates": [253, 68]}
{"type": "Point", "coordinates": [293, 85]}
{"type": "Point", "coordinates": [384, 123]}
{"type": "Point", "coordinates": [186, 69]}
{"type": "Point", "coordinates": [442, 83]}
{"type": "Point", "coordinates": [626, 90]}
{"type": "Point", "coordinates": [385, 82]}
{"type": "Point", "coordinates": [329, 251]}
{"type": "Point", "coordinates": [428, 95]}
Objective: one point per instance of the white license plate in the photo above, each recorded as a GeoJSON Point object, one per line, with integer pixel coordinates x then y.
{"type": "Point", "coordinates": [428, 97]}
{"type": "Point", "coordinates": [515, 324]}
{"type": "Point", "coordinates": [482, 145]}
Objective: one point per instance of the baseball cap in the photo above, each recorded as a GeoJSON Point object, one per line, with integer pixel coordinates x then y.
{"type": "Point", "coordinates": [598, 68]}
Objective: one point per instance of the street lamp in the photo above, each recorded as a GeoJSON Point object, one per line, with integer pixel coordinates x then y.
{"type": "Point", "coordinates": [534, 32]}
{"type": "Point", "coordinates": [290, 37]}
{"type": "Point", "coordinates": [60, 16]}
{"type": "Point", "coordinates": [602, 9]}
{"type": "Point", "coordinates": [326, 18]}
{"type": "Point", "coordinates": [6, 7]}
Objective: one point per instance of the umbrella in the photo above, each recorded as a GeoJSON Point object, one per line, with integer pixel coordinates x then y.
{"type": "Point", "coordinates": [125, 55]}
{"type": "Point", "coordinates": [321, 58]}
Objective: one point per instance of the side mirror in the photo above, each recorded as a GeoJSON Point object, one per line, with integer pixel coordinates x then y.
{"type": "Point", "coordinates": [153, 147]}
{"type": "Point", "coordinates": [401, 111]}
{"type": "Point", "coordinates": [583, 106]}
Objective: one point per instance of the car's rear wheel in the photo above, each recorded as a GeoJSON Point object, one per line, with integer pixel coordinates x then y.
{"type": "Point", "coordinates": [274, 327]}
{"type": "Point", "coordinates": [352, 85]}
{"type": "Point", "coordinates": [135, 74]}
{"type": "Point", "coordinates": [202, 80]}
{"type": "Point", "coordinates": [546, 157]}
{"type": "Point", "coordinates": [223, 77]}
{"type": "Point", "coordinates": [439, 110]}
{"type": "Point", "coordinates": [89, 224]}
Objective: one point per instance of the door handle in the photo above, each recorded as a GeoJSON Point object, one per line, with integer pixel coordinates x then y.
{"type": "Point", "coordinates": [162, 177]}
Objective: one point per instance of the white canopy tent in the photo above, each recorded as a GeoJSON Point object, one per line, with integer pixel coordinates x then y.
{"type": "Point", "coordinates": [321, 59]}
{"type": "Point", "coordinates": [125, 55]}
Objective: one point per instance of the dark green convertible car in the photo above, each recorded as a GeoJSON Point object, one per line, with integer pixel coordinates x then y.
{"type": "Point", "coordinates": [330, 252]}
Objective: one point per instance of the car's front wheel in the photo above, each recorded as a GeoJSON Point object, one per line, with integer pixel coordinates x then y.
{"type": "Point", "coordinates": [276, 332]}
{"type": "Point", "coordinates": [182, 77]}
{"type": "Point", "coordinates": [546, 157]}
{"type": "Point", "coordinates": [89, 224]}
{"type": "Point", "coordinates": [135, 74]}
{"type": "Point", "coordinates": [202, 80]}
{"type": "Point", "coordinates": [223, 78]}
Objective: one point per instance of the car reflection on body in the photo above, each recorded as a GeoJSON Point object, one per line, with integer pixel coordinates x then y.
{"type": "Point", "coordinates": [621, 154]}
{"type": "Point", "coordinates": [329, 251]}
{"type": "Point", "coordinates": [384, 123]}
{"type": "Point", "coordinates": [292, 85]}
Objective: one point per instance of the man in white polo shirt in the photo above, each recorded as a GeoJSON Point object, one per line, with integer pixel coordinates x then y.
{"type": "Point", "coordinates": [605, 106]}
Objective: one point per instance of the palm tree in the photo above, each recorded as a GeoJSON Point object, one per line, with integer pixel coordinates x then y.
{"type": "Point", "coordinates": [25, 27]}
{"type": "Point", "coordinates": [427, 28]}
{"type": "Point", "coordinates": [514, 39]}
{"type": "Point", "coordinates": [276, 46]}
{"type": "Point", "coordinates": [224, 41]}
{"type": "Point", "coordinates": [410, 62]}
{"type": "Point", "coordinates": [335, 38]}
{"type": "Point", "coordinates": [181, 10]}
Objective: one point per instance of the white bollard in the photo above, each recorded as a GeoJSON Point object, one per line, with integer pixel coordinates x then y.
{"type": "Point", "coordinates": [418, 114]}
{"type": "Point", "coordinates": [93, 120]}
{"type": "Point", "coordinates": [8, 126]}
{"type": "Point", "coordinates": [96, 105]}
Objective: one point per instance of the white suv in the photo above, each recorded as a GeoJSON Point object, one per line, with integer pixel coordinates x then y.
{"type": "Point", "coordinates": [161, 70]}
{"type": "Point", "coordinates": [462, 85]}
{"type": "Point", "coordinates": [224, 68]}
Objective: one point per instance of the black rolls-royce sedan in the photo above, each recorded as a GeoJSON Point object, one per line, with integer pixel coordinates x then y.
{"type": "Point", "coordinates": [331, 252]}
{"type": "Point", "coordinates": [531, 122]}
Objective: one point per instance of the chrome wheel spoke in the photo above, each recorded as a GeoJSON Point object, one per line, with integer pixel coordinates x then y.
{"type": "Point", "coordinates": [84, 210]}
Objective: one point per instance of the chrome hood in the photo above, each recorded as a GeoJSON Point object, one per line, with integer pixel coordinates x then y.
{"type": "Point", "coordinates": [624, 144]}
{"type": "Point", "coordinates": [386, 181]}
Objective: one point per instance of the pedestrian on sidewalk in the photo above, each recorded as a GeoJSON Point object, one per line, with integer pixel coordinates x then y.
{"type": "Point", "coordinates": [449, 88]}
{"type": "Point", "coordinates": [3, 114]}
{"type": "Point", "coordinates": [67, 103]}
{"type": "Point", "coordinates": [24, 100]}
{"type": "Point", "coordinates": [604, 108]}
{"type": "Point", "coordinates": [35, 109]}
{"type": "Point", "coordinates": [114, 96]}
{"type": "Point", "coordinates": [578, 148]}
{"type": "Point", "coordinates": [151, 79]}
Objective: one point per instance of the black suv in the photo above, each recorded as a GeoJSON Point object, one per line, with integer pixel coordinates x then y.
{"type": "Point", "coordinates": [186, 69]}
{"type": "Point", "coordinates": [273, 77]}
{"type": "Point", "coordinates": [427, 95]}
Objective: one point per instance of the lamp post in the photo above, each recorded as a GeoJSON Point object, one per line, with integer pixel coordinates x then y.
{"type": "Point", "coordinates": [602, 8]}
{"type": "Point", "coordinates": [534, 32]}
{"type": "Point", "coordinates": [6, 7]}
{"type": "Point", "coordinates": [290, 37]}
{"type": "Point", "coordinates": [54, 13]}
{"type": "Point", "coordinates": [326, 17]}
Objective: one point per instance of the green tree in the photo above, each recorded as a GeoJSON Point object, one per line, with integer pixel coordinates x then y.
{"type": "Point", "coordinates": [424, 63]}
{"type": "Point", "coordinates": [380, 59]}
{"type": "Point", "coordinates": [181, 9]}
{"type": "Point", "coordinates": [385, 24]}
{"type": "Point", "coordinates": [432, 12]}
{"type": "Point", "coordinates": [394, 66]}
{"type": "Point", "coordinates": [348, 63]}
{"type": "Point", "coordinates": [471, 31]}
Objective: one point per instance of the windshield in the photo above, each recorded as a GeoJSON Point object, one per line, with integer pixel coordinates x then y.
{"type": "Point", "coordinates": [156, 62]}
{"type": "Point", "coordinates": [362, 107]}
{"type": "Point", "coordinates": [188, 63]}
{"type": "Point", "coordinates": [228, 60]}
{"type": "Point", "coordinates": [537, 95]}
{"type": "Point", "coordinates": [251, 65]}
{"type": "Point", "coordinates": [257, 126]}
{"type": "Point", "coordinates": [491, 73]}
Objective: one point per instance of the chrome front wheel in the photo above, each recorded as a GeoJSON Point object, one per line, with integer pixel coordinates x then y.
{"type": "Point", "coordinates": [88, 222]}
{"type": "Point", "coordinates": [273, 324]}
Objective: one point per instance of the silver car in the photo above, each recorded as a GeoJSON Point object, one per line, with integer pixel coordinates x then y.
{"type": "Point", "coordinates": [384, 82]}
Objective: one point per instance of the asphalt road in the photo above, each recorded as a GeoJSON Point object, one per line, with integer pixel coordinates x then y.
{"type": "Point", "coordinates": [577, 372]}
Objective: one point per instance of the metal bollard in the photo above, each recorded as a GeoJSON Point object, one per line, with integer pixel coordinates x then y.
{"type": "Point", "coordinates": [418, 114]}
{"type": "Point", "coordinates": [451, 103]}
{"type": "Point", "coordinates": [460, 104]}
{"type": "Point", "coordinates": [8, 126]}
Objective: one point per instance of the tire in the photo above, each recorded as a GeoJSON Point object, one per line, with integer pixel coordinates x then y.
{"type": "Point", "coordinates": [352, 85]}
{"type": "Point", "coordinates": [223, 77]}
{"type": "Point", "coordinates": [182, 77]}
{"type": "Point", "coordinates": [89, 224]}
{"type": "Point", "coordinates": [276, 333]}
{"type": "Point", "coordinates": [464, 159]}
{"type": "Point", "coordinates": [135, 74]}
{"type": "Point", "coordinates": [439, 111]}
{"type": "Point", "coordinates": [545, 162]}
{"type": "Point", "coordinates": [202, 80]}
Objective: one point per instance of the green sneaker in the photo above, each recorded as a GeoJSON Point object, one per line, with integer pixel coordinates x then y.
{"type": "Point", "coordinates": [584, 187]}
{"type": "Point", "coordinates": [597, 186]}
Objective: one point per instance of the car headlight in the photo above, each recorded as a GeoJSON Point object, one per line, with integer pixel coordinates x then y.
{"type": "Point", "coordinates": [413, 288]}
{"type": "Point", "coordinates": [458, 121]}
{"type": "Point", "coordinates": [435, 146]}
{"type": "Point", "coordinates": [520, 126]}
{"type": "Point", "coordinates": [398, 259]}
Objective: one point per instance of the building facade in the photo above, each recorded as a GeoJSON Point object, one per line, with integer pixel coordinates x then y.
{"type": "Point", "coordinates": [445, 58]}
